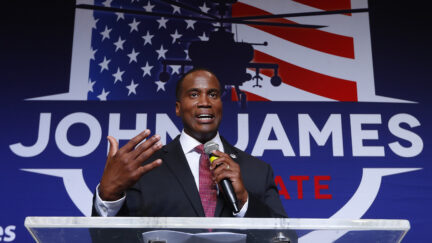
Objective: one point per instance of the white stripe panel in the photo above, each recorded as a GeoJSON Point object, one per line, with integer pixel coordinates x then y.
{"type": "Point", "coordinates": [298, 55]}
{"type": "Point", "coordinates": [284, 92]}
{"type": "Point", "coordinates": [337, 23]}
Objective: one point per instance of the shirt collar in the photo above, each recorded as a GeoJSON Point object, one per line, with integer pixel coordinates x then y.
{"type": "Point", "coordinates": [189, 143]}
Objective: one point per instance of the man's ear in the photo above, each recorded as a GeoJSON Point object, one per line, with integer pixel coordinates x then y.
{"type": "Point", "coordinates": [177, 108]}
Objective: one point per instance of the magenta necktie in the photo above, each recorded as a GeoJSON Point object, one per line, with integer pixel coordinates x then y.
{"type": "Point", "coordinates": [207, 188]}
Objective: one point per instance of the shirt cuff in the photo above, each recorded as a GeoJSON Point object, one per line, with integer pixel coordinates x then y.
{"type": "Point", "coordinates": [107, 208]}
{"type": "Point", "coordinates": [243, 210]}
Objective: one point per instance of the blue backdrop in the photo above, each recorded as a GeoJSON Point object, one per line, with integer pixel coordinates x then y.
{"type": "Point", "coordinates": [324, 152]}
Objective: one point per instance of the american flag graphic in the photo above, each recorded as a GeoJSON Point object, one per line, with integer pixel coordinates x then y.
{"type": "Point", "coordinates": [129, 49]}
{"type": "Point", "coordinates": [119, 56]}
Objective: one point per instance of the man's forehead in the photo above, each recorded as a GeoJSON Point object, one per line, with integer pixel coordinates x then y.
{"type": "Point", "coordinates": [200, 80]}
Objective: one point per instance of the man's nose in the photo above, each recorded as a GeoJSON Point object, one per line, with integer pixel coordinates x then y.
{"type": "Point", "coordinates": [204, 101]}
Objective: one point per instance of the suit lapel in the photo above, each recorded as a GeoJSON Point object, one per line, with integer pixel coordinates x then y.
{"type": "Point", "coordinates": [176, 161]}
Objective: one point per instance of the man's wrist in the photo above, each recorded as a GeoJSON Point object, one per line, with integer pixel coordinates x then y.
{"type": "Point", "coordinates": [107, 208]}
{"type": "Point", "coordinates": [243, 199]}
{"type": "Point", "coordinates": [105, 195]}
{"type": "Point", "coordinates": [243, 209]}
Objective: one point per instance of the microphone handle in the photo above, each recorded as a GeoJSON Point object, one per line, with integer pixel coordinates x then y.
{"type": "Point", "coordinates": [229, 194]}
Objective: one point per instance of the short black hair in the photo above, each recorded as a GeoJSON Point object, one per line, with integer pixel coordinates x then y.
{"type": "Point", "coordinates": [179, 83]}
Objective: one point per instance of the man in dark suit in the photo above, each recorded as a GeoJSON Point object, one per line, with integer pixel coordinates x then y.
{"type": "Point", "coordinates": [155, 180]}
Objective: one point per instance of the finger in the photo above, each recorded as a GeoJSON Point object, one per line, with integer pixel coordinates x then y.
{"type": "Point", "coordinates": [219, 170]}
{"type": "Point", "coordinates": [219, 153]}
{"type": "Point", "coordinates": [225, 174]}
{"type": "Point", "coordinates": [148, 167]}
{"type": "Point", "coordinates": [222, 164]}
{"type": "Point", "coordinates": [223, 160]}
{"type": "Point", "coordinates": [216, 163]}
{"type": "Point", "coordinates": [145, 154]}
{"type": "Point", "coordinates": [222, 171]}
{"type": "Point", "coordinates": [146, 145]}
{"type": "Point", "coordinates": [136, 140]}
{"type": "Point", "coordinates": [113, 148]}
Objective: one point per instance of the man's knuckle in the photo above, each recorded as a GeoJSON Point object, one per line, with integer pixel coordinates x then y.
{"type": "Point", "coordinates": [125, 160]}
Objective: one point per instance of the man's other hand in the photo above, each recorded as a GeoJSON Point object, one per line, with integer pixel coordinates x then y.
{"type": "Point", "coordinates": [225, 167]}
{"type": "Point", "coordinates": [123, 167]}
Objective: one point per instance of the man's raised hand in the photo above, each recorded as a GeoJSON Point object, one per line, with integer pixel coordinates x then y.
{"type": "Point", "coordinates": [123, 167]}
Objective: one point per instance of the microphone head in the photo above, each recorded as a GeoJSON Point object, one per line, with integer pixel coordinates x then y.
{"type": "Point", "coordinates": [210, 146]}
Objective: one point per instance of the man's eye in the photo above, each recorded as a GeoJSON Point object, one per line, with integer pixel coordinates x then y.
{"type": "Point", "coordinates": [213, 95]}
{"type": "Point", "coordinates": [193, 95]}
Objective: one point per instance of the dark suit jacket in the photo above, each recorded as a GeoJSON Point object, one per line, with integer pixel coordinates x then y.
{"type": "Point", "coordinates": [170, 189]}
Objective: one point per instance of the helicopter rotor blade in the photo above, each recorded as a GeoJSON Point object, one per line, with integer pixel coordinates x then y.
{"type": "Point", "coordinates": [190, 8]}
{"type": "Point", "coordinates": [274, 16]}
{"type": "Point", "coordinates": [308, 26]}
{"type": "Point", "coordinates": [141, 12]}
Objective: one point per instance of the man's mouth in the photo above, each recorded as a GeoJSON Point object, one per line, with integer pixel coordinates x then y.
{"type": "Point", "coordinates": [205, 117]}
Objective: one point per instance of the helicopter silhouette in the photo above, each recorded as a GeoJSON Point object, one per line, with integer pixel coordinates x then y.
{"type": "Point", "coordinates": [228, 59]}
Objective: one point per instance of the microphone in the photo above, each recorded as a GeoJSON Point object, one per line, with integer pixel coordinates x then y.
{"type": "Point", "coordinates": [225, 183]}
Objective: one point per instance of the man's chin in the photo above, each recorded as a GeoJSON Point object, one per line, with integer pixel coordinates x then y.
{"type": "Point", "coordinates": [203, 134]}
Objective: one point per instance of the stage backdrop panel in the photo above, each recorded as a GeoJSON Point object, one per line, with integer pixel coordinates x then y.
{"type": "Point", "coordinates": [304, 100]}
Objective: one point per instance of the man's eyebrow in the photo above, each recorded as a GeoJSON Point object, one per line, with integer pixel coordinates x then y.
{"type": "Point", "coordinates": [192, 89]}
{"type": "Point", "coordinates": [213, 90]}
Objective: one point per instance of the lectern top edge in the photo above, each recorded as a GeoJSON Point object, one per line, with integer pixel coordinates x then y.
{"type": "Point", "coordinates": [217, 223]}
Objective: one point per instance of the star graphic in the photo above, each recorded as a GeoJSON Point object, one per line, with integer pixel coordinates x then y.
{"type": "Point", "coordinates": [146, 69]}
{"type": "Point", "coordinates": [149, 7]}
{"type": "Point", "coordinates": [104, 64]}
{"type": "Point", "coordinates": [107, 3]}
{"type": "Point", "coordinates": [132, 88]}
{"type": "Point", "coordinates": [175, 69]}
{"type": "Point", "coordinates": [118, 75]}
{"type": "Point", "coordinates": [162, 22]}
{"type": "Point", "coordinates": [90, 85]}
{"type": "Point", "coordinates": [161, 52]}
{"type": "Point", "coordinates": [92, 53]}
{"type": "Point", "coordinates": [105, 33]}
{"type": "Point", "coordinates": [147, 38]}
{"type": "Point", "coordinates": [119, 44]}
{"type": "Point", "coordinates": [93, 23]}
{"type": "Point", "coordinates": [176, 9]}
{"type": "Point", "coordinates": [134, 25]}
{"type": "Point", "coordinates": [204, 8]}
{"type": "Point", "coordinates": [175, 36]}
{"type": "Point", "coordinates": [120, 16]}
{"type": "Point", "coordinates": [160, 85]}
{"type": "Point", "coordinates": [133, 56]}
{"type": "Point", "coordinates": [103, 95]}
{"type": "Point", "coordinates": [203, 37]}
{"type": "Point", "coordinates": [187, 53]}
{"type": "Point", "coordinates": [190, 23]}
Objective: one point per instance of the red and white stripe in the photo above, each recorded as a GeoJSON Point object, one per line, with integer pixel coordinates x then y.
{"type": "Point", "coordinates": [328, 64]}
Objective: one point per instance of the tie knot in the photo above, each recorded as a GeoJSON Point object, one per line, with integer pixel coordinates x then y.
{"type": "Point", "coordinates": [200, 148]}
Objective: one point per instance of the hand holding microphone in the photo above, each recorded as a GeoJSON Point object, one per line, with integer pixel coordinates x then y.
{"type": "Point", "coordinates": [227, 174]}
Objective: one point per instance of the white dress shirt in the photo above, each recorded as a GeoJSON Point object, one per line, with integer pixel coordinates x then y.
{"type": "Point", "coordinates": [188, 144]}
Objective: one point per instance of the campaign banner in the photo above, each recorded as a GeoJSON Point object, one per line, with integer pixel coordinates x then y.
{"type": "Point", "coordinates": [301, 98]}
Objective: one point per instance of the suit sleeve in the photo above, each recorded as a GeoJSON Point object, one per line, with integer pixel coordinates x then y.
{"type": "Point", "coordinates": [268, 205]}
{"type": "Point", "coordinates": [129, 205]}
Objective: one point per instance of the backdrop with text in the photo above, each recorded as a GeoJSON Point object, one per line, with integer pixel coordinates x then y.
{"type": "Point", "coordinates": [302, 99]}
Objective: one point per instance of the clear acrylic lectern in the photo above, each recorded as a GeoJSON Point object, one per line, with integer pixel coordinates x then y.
{"type": "Point", "coordinates": [250, 230]}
